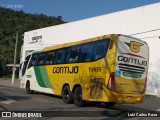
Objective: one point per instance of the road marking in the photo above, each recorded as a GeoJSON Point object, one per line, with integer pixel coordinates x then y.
{"type": "Point", "coordinates": [158, 109]}
{"type": "Point", "coordinates": [8, 101]}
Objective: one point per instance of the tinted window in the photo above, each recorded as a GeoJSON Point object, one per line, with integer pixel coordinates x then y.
{"type": "Point", "coordinates": [51, 57]}
{"type": "Point", "coordinates": [86, 52]}
{"type": "Point", "coordinates": [33, 61]}
{"type": "Point", "coordinates": [73, 54]}
{"type": "Point", "coordinates": [60, 56]}
{"type": "Point", "coordinates": [100, 49]}
{"type": "Point", "coordinates": [25, 65]}
{"type": "Point", "coordinates": [67, 55]}
{"type": "Point", "coordinates": [41, 59]}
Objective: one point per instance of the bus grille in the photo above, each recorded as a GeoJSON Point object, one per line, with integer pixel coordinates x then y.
{"type": "Point", "coordinates": [96, 91]}
{"type": "Point", "coordinates": [131, 68]}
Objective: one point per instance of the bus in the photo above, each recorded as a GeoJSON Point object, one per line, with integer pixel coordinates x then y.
{"type": "Point", "coordinates": [110, 69]}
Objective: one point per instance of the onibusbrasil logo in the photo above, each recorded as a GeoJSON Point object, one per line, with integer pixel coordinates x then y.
{"type": "Point", "coordinates": [134, 46]}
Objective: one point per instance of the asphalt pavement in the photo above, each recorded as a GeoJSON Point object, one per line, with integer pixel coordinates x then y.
{"type": "Point", "coordinates": [151, 102]}
{"type": "Point", "coordinates": [13, 98]}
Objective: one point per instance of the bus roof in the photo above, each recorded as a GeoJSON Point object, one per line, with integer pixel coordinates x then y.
{"type": "Point", "coordinates": [78, 42]}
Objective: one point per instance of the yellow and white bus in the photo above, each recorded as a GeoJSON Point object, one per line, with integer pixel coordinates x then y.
{"type": "Point", "coordinates": [111, 69]}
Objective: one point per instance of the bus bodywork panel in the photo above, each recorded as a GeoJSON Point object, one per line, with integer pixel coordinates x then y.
{"type": "Point", "coordinates": [90, 75]}
{"type": "Point", "coordinates": [131, 65]}
{"type": "Point", "coordinates": [131, 71]}
{"type": "Point", "coordinates": [121, 59]}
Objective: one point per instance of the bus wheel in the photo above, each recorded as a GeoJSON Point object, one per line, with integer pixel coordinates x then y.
{"type": "Point", "coordinates": [28, 90]}
{"type": "Point", "coordinates": [110, 104]}
{"type": "Point", "coordinates": [77, 97]}
{"type": "Point", "coordinates": [67, 95]}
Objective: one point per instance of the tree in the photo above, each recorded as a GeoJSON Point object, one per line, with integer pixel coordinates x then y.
{"type": "Point", "coordinates": [12, 21]}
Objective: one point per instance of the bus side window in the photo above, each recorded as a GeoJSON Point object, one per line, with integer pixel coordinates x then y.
{"type": "Point", "coordinates": [67, 55]}
{"type": "Point", "coordinates": [86, 52]}
{"type": "Point", "coordinates": [33, 61]}
{"type": "Point", "coordinates": [101, 48]}
{"type": "Point", "coordinates": [60, 56]}
{"type": "Point", "coordinates": [51, 57]}
{"type": "Point", "coordinates": [54, 57]}
{"type": "Point", "coordinates": [74, 54]}
{"type": "Point", "coordinates": [41, 59]}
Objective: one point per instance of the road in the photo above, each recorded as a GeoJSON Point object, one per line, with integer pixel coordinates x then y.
{"type": "Point", "coordinates": [13, 98]}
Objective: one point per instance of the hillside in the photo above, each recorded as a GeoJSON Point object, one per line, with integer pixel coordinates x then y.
{"type": "Point", "coordinates": [12, 21]}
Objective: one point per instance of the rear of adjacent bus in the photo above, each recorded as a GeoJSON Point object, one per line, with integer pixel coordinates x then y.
{"type": "Point", "coordinates": [127, 83]}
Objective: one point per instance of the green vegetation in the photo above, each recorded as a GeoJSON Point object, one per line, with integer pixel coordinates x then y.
{"type": "Point", "coordinates": [12, 21]}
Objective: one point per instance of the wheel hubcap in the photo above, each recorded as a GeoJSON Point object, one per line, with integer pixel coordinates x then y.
{"type": "Point", "coordinates": [66, 94]}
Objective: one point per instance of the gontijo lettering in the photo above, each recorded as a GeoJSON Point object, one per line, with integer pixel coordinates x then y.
{"type": "Point", "coordinates": [132, 60]}
{"type": "Point", "coordinates": [66, 69]}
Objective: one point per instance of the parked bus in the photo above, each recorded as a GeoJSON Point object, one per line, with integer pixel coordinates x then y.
{"type": "Point", "coordinates": [110, 69]}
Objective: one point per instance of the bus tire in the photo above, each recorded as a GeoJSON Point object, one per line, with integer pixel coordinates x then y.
{"type": "Point", "coordinates": [110, 104]}
{"type": "Point", "coordinates": [28, 90]}
{"type": "Point", "coordinates": [67, 95]}
{"type": "Point", "coordinates": [77, 97]}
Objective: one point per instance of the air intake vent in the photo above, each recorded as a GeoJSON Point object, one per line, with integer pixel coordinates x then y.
{"type": "Point", "coordinates": [131, 68]}
{"type": "Point", "coordinates": [96, 91]}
